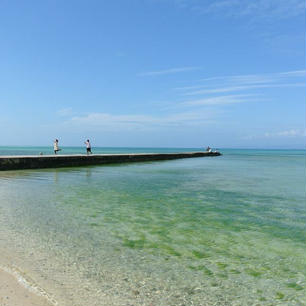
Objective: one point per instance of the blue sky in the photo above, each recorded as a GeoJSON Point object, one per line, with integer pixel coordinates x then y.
{"type": "Point", "coordinates": [166, 73]}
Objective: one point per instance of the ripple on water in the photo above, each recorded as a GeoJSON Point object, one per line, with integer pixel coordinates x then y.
{"type": "Point", "coordinates": [194, 232]}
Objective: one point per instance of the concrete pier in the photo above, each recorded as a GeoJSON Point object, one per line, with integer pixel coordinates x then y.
{"type": "Point", "coordinates": [56, 161]}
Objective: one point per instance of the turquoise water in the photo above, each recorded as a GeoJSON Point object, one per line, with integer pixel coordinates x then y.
{"type": "Point", "coordinates": [226, 230]}
{"type": "Point", "coordinates": [82, 150]}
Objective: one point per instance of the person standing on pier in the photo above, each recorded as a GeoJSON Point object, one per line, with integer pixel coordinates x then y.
{"type": "Point", "coordinates": [55, 146]}
{"type": "Point", "coordinates": [88, 147]}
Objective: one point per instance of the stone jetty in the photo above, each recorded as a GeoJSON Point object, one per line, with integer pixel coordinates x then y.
{"type": "Point", "coordinates": [56, 161]}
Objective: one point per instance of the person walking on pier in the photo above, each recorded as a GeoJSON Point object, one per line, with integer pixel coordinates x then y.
{"type": "Point", "coordinates": [88, 147]}
{"type": "Point", "coordinates": [55, 146]}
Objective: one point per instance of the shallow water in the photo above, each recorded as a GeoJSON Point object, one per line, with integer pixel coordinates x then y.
{"type": "Point", "coordinates": [226, 230]}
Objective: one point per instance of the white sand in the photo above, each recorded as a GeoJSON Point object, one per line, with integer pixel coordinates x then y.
{"type": "Point", "coordinates": [13, 293]}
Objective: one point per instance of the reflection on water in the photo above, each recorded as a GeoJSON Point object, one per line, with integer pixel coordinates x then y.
{"type": "Point", "coordinates": [55, 176]}
{"type": "Point", "coordinates": [212, 231]}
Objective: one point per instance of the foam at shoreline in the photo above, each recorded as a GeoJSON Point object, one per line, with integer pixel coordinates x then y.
{"type": "Point", "coordinates": [17, 289]}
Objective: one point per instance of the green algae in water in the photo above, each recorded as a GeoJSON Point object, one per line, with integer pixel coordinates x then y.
{"type": "Point", "coordinates": [222, 265]}
{"type": "Point", "coordinates": [295, 286]}
{"type": "Point", "coordinates": [202, 268]}
{"type": "Point", "coordinates": [199, 254]}
{"type": "Point", "coordinates": [253, 272]}
{"type": "Point", "coordinates": [280, 295]}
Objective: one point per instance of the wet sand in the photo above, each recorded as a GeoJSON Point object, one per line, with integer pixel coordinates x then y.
{"type": "Point", "coordinates": [13, 293]}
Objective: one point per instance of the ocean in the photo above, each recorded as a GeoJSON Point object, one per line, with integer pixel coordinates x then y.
{"type": "Point", "coordinates": [10, 150]}
{"type": "Point", "coordinates": [225, 231]}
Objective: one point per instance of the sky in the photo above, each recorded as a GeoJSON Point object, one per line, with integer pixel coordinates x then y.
{"type": "Point", "coordinates": [153, 73]}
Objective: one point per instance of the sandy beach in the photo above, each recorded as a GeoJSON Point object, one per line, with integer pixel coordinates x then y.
{"type": "Point", "coordinates": [13, 293]}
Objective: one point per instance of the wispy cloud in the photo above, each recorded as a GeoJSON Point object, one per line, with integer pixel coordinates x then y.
{"type": "Point", "coordinates": [168, 71]}
{"type": "Point", "coordinates": [220, 100]}
{"type": "Point", "coordinates": [263, 9]}
{"type": "Point", "coordinates": [114, 122]}
{"type": "Point", "coordinates": [240, 88]}
{"type": "Point", "coordinates": [287, 133]}
{"type": "Point", "coordinates": [248, 79]}
{"type": "Point", "coordinates": [200, 111]}
{"type": "Point", "coordinates": [290, 133]}
{"type": "Point", "coordinates": [248, 82]}
{"type": "Point", "coordinates": [296, 73]}
{"type": "Point", "coordinates": [260, 78]}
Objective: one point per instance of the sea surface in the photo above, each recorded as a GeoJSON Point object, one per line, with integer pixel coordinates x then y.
{"type": "Point", "coordinates": [224, 231]}
{"type": "Point", "coordinates": [11, 150]}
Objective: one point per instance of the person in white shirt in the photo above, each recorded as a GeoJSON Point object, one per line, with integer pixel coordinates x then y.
{"type": "Point", "coordinates": [88, 147]}
{"type": "Point", "coordinates": [55, 146]}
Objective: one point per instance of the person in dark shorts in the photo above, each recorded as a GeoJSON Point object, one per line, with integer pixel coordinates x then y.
{"type": "Point", "coordinates": [88, 147]}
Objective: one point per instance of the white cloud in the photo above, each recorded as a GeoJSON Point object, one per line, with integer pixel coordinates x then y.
{"type": "Point", "coordinates": [248, 79]}
{"type": "Point", "coordinates": [168, 71]}
{"type": "Point", "coordinates": [260, 9]}
{"type": "Point", "coordinates": [240, 88]}
{"type": "Point", "coordinates": [297, 73]}
{"type": "Point", "coordinates": [265, 78]}
{"type": "Point", "coordinates": [218, 100]}
{"type": "Point", "coordinates": [113, 122]}
{"type": "Point", "coordinates": [287, 133]}
{"type": "Point", "coordinates": [290, 133]}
